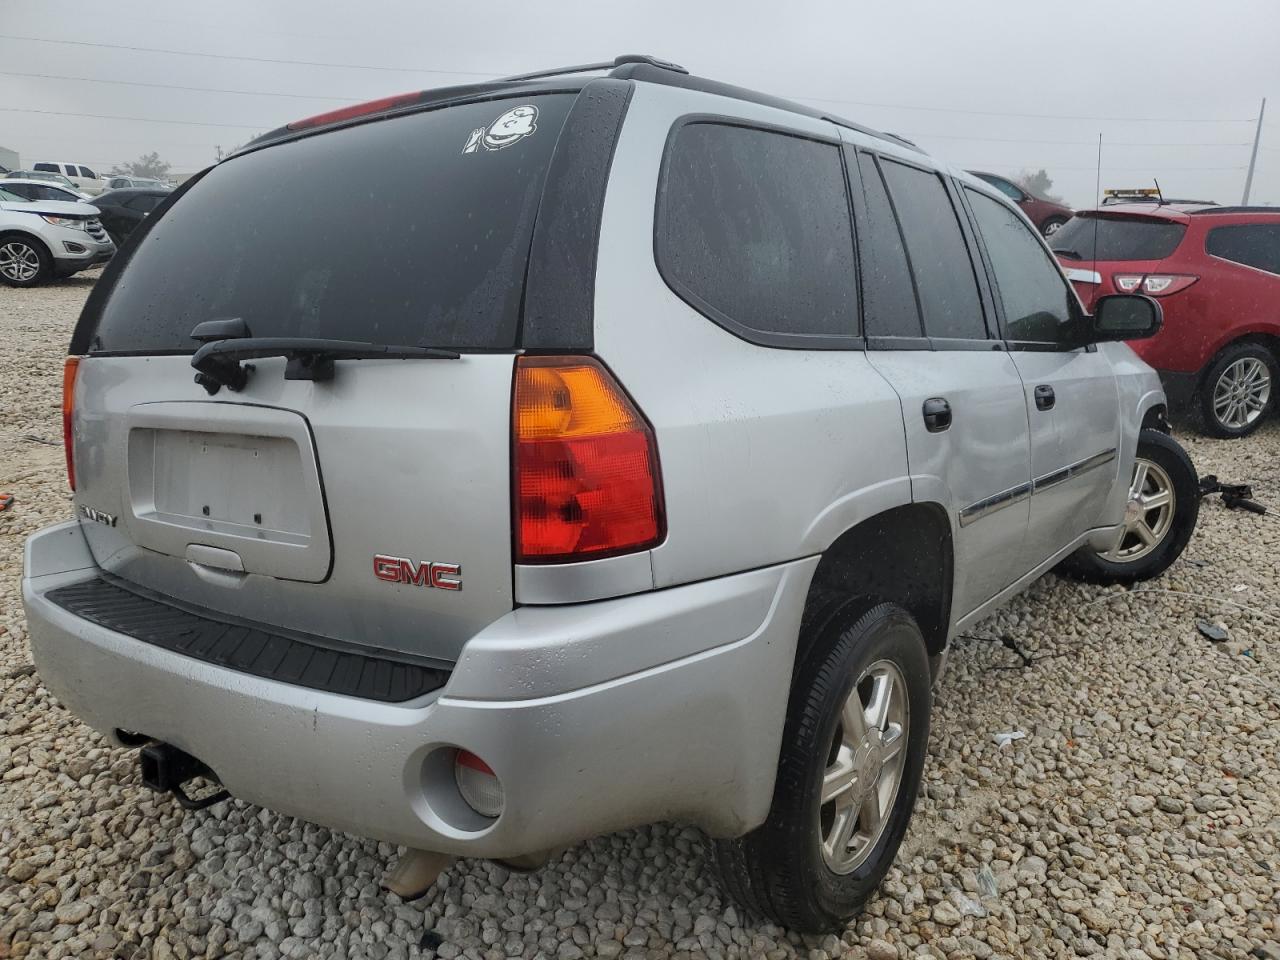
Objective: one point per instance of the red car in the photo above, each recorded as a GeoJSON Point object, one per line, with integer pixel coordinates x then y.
{"type": "Point", "coordinates": [1045, 214]}
{"type": "Point", "coordinates": [1216, 272]}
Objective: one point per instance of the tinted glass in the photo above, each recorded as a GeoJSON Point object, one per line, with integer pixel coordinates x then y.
{"type": "Point", "coordinates": [888, 298]}
{"type": "Point", "coordinates": [1037, 304]}
{"type": "Point", "coordinates": [24, 190]}
{"type": "Point", "coordinates": [430, 250]}
{"type": "Point", "coordinates": [754, 231]}
{"type": "Point", "coordinates": [1004, 186]}
{"type": "Point", "coordinates": [86, 172]}
{"type": "Point", "coordinates": [1118, 238]}
{"type": "Point", "coordinates": [70, 170]}
{"type": "Point", "coordinates": [145, 204]}
{"type": "Point", "coordinates": [939, 257]}
{"type": "Point", "coordinates": [1253, 244]}
{"type": "Point", "coordinates": [46, 167]}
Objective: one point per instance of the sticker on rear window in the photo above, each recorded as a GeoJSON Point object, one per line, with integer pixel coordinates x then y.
{"type": "Point", "coordinates": [512, 127]}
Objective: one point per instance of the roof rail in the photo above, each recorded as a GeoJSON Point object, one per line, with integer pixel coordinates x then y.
{"type": "Point", "coordinates": [606, 65]}
{"type": "Point", "coordinates": [1237, 209]}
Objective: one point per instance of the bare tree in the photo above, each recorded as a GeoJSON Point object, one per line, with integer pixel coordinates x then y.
{"type": "Point", "coordinates": [1038, 184]}
{"type": "Point", "coordinates": [148, 165]}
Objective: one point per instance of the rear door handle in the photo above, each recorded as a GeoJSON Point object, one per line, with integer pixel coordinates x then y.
{"type": "Point", "coordinates": [1044, 397]}
{"type": "Point", "coordinates": [937, 414]}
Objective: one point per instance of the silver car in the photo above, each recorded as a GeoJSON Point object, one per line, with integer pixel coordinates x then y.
{"type": "Point", "coordinates": [42, 239]}
{"type": "Point", "coordinates": [638, 461]}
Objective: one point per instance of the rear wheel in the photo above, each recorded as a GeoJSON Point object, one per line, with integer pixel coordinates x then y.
{"type": "Point", "coordinates": [852, 754]}
{"type": "Point", "coordinates": [1237, 390]}
{"type": "Point", "coordinates": [24, 262]}
{"type": "Point", "coordinates": [1052, 225]}
{"type": "Point", "coordinates": [1160, 516]}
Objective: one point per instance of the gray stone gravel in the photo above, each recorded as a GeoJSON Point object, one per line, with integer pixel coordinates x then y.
{"type": "Point", "coordinates": [1139, 817]}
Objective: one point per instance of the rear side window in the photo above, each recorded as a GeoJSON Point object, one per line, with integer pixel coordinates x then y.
{"type": "Point", "coordinates": [753, 230]}
{"type": "Point", "coordinates": [1037, 304]}
{"type": "Point", "coordinates": [1253, 244]}
{"type": "Point", "coordinates": [1117, 238]}
{"type": "Point", "coordinates": [888, 297]}
{"type": "Point", "coordinates": [46, 167]}
{"type": "Point", "coordinates": [425, 242]}
{"type": "Point", "coordinates": [939, 256]}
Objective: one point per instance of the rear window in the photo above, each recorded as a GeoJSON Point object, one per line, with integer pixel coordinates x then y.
{"type": "Point", "coordinates": [411, 231]}
{"type": "Point", "coordinates": [1118, 238]}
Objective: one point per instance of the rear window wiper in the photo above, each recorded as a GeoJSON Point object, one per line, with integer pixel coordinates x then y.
{"type": "Point", "coordinates": [217, 363]}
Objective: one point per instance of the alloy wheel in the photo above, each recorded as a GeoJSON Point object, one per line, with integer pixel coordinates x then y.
{"type": "Point", "coordinates": [1241, 393]}
{"type": "Point", "coordinates": [864, 767]}
{"type": "Point", "coordinates": [1148, 514]}
{"type": "Point", "coordinates": [19, 261]}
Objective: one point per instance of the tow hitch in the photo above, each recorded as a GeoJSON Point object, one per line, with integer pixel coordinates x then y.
{"type": "Point", "coordinates": [165, 769]}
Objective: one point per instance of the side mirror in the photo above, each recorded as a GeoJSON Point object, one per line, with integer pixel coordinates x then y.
{"type": "Point", "coordinates": [1125, 316]}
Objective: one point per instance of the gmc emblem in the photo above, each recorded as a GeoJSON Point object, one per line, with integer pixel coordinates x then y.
{"type": "Point", "coordinates": [442, 576]}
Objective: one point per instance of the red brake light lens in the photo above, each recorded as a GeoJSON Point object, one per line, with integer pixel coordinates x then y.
{"type": "Point", "coordinates": [585, 463]}
{"type": "Point", "coordinates": [1152, 284]}
{"type": "Point", "coordinates": [69, 370]}
{"type": "Point", "coordinates": [353, 111]}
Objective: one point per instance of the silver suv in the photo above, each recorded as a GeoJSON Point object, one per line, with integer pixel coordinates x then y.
{"type": "Point", "coordinates": [628, 447]}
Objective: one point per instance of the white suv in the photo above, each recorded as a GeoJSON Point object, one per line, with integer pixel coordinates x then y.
{"type": "Point", "coordinates": [627, 448]}
{"type": "Point", "coordinates": [83, 177]}
{"type": "Point", "coordinates": [43, 239]}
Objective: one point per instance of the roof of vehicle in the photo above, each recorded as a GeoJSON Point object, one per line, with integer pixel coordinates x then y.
{"type": "Point", "coordinates": [635, 67]}
{"type": "Point", "coordinates": [1273, 211]}
{"type": "Point", "coordinates": [1177, 212]}
{"type": "Point", "coordinates": [121, 194]}
{"type": "Point", "coordinates": [39, 182]}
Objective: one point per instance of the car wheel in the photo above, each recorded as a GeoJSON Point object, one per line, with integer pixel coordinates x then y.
{"type": "Point", "coordinates": [24, 262]}
{"type": "Point", "coordinates": [853, 749]}
{"type": "Point", "coordinates": [1160, 516]}
{"type": "Point", "coordinates": [1052, 225]}
{"type": "Point", "coordinates": [1237, 390]}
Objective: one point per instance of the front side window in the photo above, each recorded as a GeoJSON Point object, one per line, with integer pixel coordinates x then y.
{"type": "Point", "coordinates": [1252, 244]}
{"type": "Point", "coordinates": [86, 172]}
{"type": "Point", "coordinates": [753, 231]}
{"type": "Point", "coordinates": [1038, 307]}
{"type": "Point", "coordinates": [939, 256]}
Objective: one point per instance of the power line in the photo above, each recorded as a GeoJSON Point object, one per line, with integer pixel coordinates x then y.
{"type": "Point", "coordinates": [102, 116]}
{"type": "Point", "coordinates": [170, 86]}
{"type": "Point", "coordinates": [1037, 116]}
{"type": "Point", "coordinates": [225, 56]}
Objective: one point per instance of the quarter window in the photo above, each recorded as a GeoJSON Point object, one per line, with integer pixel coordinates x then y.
{"type": "Point", "coordinates": [1253, 244]}
{"type": "Point", "coordinates": [888, 298]}
{"type": "Point", "coordinates": [1038, 307]}
{"type": "Point", "coordinates": [939, 256]}
{"type": "Point", "coordinates": [753, 231]}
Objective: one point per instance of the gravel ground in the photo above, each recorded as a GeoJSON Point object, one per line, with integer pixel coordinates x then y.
{"type": "Point", "coordinates": [1139, 816]}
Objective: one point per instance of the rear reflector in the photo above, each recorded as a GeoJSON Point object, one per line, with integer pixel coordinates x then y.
{"type": "Point", "coordinates": [585, 461]}
{"type": "Point", "coordinates": [355, 110]}
{"type": "Point", "coordinates": [69, 370]}
{"type": "Point", "coordinates": [479, 786]}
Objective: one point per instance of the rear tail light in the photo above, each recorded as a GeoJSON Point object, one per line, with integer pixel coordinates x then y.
{"type": "Point", "coordinates": [69, 370]}
{"type": "Point", "coordinates": [585, 464]}
{"type": "Point", "coordinates": [479, 785]}
{"type": "Point", "coordinates": [1152, 284]}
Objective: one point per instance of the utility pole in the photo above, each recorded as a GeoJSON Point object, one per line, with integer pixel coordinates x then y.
{"type": "Point", "coordinates": [1253, 158]}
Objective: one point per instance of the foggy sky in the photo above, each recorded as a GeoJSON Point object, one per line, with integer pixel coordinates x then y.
{"type": "Point", "coordinates": [950, 76]}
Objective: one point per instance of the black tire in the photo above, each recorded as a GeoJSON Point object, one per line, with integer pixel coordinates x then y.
{"type": "Point", "coordinates": [1210, 422]}
{"type": "Point", "coordinates": [1162, 450]}
{"type": "Point", "coordinates": [21, 245]}
{"type": "Point", "coordinates": [1052, 225]}
{"type": "Point", "coordinates": [778, 870]}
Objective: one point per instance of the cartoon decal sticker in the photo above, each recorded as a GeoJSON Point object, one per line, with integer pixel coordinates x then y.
{"type": "Point", "coordinates": [512, 127]}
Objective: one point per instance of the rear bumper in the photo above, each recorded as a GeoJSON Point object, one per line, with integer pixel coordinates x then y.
{"type": "Point", "coordinates": [598, 716]}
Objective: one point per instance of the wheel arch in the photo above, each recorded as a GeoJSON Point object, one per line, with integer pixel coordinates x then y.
{"type": "Point", "coordinates": [901, 555]}
{"type": "Point", "coordinates": [26, 235]}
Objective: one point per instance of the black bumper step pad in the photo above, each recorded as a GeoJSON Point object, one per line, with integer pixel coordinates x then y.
{"type": "Point", "coordinates": [258, 650]}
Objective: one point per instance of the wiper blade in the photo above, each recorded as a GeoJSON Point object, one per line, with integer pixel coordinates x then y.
{"type": "Point", "coordinates": [218, 362]}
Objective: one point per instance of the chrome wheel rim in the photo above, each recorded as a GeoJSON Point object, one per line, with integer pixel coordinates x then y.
{"type": "Point", "coordinates": [1148, 514]}
{"type": "Point", "coordinates": [18, 261]}
{"type": "Point", "coordinates": [1241, 393]}
{"type": "Point", "coordinates": [864, 767]}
